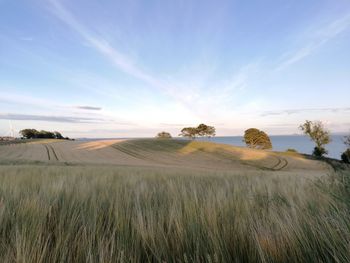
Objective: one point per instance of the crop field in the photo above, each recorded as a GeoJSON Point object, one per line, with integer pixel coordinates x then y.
{"type": "Point", "coordinates": [160, 153]}
{"type": "Point", "coordinates": [169, 201]}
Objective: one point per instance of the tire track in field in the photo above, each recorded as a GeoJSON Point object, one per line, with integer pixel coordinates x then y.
{"type": "Point", "coordinates": [138, 154]}
{"type": "Point", "coordinates": [47, 151]}
{"type": "Point", "coordinates": [51, 153]}
{"type": "Point", "coordinates": [54, 153]}
{"type": "Point", "coordinates": [282, 163]}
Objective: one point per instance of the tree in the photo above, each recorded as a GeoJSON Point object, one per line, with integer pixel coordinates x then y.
{"type": "Point", "coordinates": [46, 135]}
{"type": "Point", "coordinates": [163, 135]}
{"type": "Point", "coordinates": [58, 135]}
{"type": "Point", "coordinates": [201, 130]}
{"type": "Point", "coordinates": [205, 130]}
{"type": "Point", "coordinates": [29, 133]}
{"type": "Point", "coordinates": [189, 132]}
{"type": "Point", "coordinates": [317, 133]}
{"type": "Point", "coordinates": [254, 138]}
{"type": "Point", "coordinates": [346, 155]}
{"type": "Point", "coordinates": [34, 134]}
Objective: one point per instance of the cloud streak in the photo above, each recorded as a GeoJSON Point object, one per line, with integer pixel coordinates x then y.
{"type": "Point", "coordinates": [120, 61]}
{"type": "Point", "coordinates": [65, 119]}
{"type": "Point", "coordinates": [89, 108]}
{"type": "Point", "coordinates": [320, 38]}
{"type": "Point", "coordinates": [297, 111]}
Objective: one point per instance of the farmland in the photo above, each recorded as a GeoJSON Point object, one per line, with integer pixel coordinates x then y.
{"type": "Point", "coordinates": [168, 201]}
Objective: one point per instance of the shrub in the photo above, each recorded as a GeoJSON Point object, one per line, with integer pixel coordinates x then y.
{"type": "Point", "coordinates": [163, 135]}
{"type": "Point", "coordinates": [319, 151]}
{"type": "Point", "coordinates": [291, 150]}
{"type": "Point", "coordinates": [346, 156]}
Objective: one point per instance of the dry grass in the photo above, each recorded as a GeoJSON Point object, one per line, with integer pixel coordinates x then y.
{"type": "Point", "coordinates": [170, 153]}
{"type": "Point", "coordinates": [173, 212]}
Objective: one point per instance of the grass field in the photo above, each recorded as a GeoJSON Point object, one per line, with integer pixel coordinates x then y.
{"type": "Point", "coordinates": [169, 201]}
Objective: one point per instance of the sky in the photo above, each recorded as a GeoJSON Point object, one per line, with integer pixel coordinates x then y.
{"type": "Point", "coordinates": [133, 68]}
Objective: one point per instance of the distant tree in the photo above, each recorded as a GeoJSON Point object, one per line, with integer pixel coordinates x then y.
{"type": "Point", "coordinates": [317, 133]}
{"type": "Point", "coordinates": [34, 134]}
{"type": "Point", "coordinates": [205, 130]}
{"type": "Point", "coordinates": [254, 138]}
{"type": "Point", "coordinates": [58, 135]}
{"type": "Point", "coordinates": [164, 135]}
{"type": "Point", "coordinates": [29, 133]}
{"type": "Point", "coordinates": [189, 132]}
{"type": "Point", "coordinates": [46, 135]}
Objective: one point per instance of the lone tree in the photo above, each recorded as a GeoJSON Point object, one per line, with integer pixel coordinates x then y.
{"type": "Point", "coordinates": [317, 133]}
{"type": "Point", "coordinates": [255, 138]}
{"type": "Point", "coordinates": [163, 135]}
{"type": "Point", "coordinates": [346, 155]}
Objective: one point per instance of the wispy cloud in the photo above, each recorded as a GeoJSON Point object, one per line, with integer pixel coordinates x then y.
{"type": "Point", "coordinates": [23, 99]}
{"type": "Point", "coordinates": [317, 40]}
{"type": "Point", "coordinates": [297, 111]}
{"type": "Point", "coordinates": [66, 119]}
{"type": "Point", "coordinates": [120, 61]}
{"type": "Point", "coordinates": [89, 108]}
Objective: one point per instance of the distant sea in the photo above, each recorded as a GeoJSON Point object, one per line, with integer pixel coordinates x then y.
{"type": "Point", "coordinates": [283, 142]}
{"type": "Point", "coordinates": [279, 143]}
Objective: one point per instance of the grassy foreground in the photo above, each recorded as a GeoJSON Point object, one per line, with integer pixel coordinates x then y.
{"type": "Point", "coordinates": [128, 214]}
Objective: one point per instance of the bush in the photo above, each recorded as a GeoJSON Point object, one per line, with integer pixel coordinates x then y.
{"type": "Point", "coordinates": [163, 135]}
{"type": "Point", "coordinates": [291, 150]}
{"type": "Point", "coordinates": [346, 156]}
{"type": "Point", "coordinates": [319, 151]}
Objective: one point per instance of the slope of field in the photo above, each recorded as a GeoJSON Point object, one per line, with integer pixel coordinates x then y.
{"type": "Point", "coordinates": [164, 153]}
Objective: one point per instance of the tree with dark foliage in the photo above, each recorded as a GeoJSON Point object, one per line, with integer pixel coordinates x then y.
{"type": "Point", "coordinates": [34, 134]}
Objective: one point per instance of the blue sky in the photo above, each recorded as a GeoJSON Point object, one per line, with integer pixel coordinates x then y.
{"type": "Point", "coordinates": [132, 68]}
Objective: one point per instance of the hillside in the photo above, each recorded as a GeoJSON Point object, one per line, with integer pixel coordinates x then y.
{"type": "Point", "coordinates": [163, 153]}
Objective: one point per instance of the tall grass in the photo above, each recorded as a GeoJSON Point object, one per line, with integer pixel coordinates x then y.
{"type": "Point", "coordinates": [121, 214]}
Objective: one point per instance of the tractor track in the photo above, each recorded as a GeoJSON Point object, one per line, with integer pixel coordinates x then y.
{"type": "Point", "coordinates": [52, 155]}
{"type": "Point", "coordinates": [281, 163]}
{"type": "Point", "coordinates": [47, 151]}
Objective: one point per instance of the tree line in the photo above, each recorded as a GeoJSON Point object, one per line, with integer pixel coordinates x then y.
{"type": "Point", "coordinates": [257, 139]}
{"type": "Point", "coordinates": [35, 134]}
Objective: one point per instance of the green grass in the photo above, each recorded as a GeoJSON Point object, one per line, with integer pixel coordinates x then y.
{"type": "Point", "coordinates": [126, 214]}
